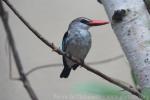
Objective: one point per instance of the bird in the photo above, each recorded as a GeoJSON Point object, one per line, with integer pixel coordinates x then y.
{"type": "Point", "coordinates": [77, 42]}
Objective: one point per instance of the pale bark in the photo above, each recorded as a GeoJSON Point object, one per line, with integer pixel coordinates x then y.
{"type": "Point", "coordinates": [131, 24]}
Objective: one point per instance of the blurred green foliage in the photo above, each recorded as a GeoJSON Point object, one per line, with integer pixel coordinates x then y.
{"type": "Point", "coordinates": [101, 90]}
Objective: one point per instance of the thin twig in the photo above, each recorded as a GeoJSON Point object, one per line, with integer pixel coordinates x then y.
{"type": "Point", "coordinates": [23, 78]}
{"type": "Point", "coordinates": [10, 64]}
{"type": "Point", "coordinates": [121, 84]}
{"type": "Point", "coordinates": [106, 60]}
{"type": "Point", "coordinates": [8, 48]}
{"type": "Point", "coordinates": [42, 67]}
{"type": "Point", "coordinates": [60, 64]}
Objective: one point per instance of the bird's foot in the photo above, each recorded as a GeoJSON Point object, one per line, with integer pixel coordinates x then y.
{"type": "Point", "coordinates": [82, 62]}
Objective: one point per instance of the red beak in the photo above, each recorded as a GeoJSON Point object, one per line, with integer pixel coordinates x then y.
{"type": "Point", "coordinates": [97, 22]}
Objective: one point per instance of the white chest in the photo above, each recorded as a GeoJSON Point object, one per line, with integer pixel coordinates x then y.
{"type": "Point", "coordinates": [79, 43]}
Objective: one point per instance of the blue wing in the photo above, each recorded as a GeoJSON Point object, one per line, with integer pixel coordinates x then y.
{"type": "Point", "coordinates": [66, 71]}
{"type": "Point", "coordinates": [64, 41]}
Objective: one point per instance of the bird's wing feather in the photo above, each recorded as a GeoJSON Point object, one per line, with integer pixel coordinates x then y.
{"type": "Point", "coordinates": [64, 46]}
{"type": "Point", "coordinates": [64, 41]}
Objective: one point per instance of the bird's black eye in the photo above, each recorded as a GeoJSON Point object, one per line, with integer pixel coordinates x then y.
{"type": "Point", "coordinates": [84, 21]}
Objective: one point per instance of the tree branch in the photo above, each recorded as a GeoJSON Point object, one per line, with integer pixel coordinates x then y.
{"type": "Point", "coordinates": [59, 64]}
{"type": "Point", "coordinates": [23, 78]}
{"type": "Point", "coordinates": [130, 22]}
{"type": "Point", "coordinates": [121, 84]}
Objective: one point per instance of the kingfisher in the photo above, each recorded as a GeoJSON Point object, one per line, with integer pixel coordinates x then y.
{"type": "Point", "coordinates": [77, 42]}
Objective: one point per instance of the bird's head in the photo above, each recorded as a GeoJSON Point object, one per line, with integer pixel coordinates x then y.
{"type": "Point", "coordinates": [86, 23]}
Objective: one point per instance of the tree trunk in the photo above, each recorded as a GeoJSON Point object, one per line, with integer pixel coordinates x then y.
{"type": "Point", "coordinates": [131, 23]}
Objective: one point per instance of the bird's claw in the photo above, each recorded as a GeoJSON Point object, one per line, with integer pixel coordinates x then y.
{"type": "Point", "coordinates": [81, 61]}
